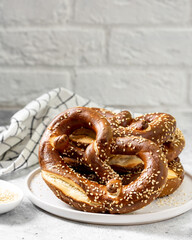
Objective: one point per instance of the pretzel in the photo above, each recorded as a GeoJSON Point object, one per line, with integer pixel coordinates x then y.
{"type": "Point", "coordinates": [75, 189]}
{"type": "Point", "coordinates": [158, 127]}
{"type": "Point", "coordinates": [174, 146]}
{"type": "Point", "coordinates": [116, 120]}
{"type": "Point", "coordinates": [122, 163]}
{"type": "Point", "coordinates": [171, 149]}
{"type": "Point", "coordinates": [174, 178]}
{"type": "Point", "coordinates": [65, 123]}
{"type": "Point", "coordinates": [132, 165]}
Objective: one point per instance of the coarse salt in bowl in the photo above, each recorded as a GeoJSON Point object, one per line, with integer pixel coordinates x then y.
{"type": "Point", "coordinates": [10, 196]}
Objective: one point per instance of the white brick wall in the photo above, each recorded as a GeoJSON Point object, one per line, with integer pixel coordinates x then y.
{"type": "Point", "coordinates": [151, 47]}
{"type": "Point", "coordinates": [18, 88]}
{"type": "Point", "coordinates": [137, 12]}
{"type": "Point", "coordinates": [140, 88]}
{"type": "Point", "coordinates": [68, 47]}
{"type": "Point", "coordinates": [121, 53]}
{"type": "Point", "coordinates": [34, 12]}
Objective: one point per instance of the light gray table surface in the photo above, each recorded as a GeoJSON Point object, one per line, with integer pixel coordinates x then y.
{"type": "Point", "coordinates": [30, 222]}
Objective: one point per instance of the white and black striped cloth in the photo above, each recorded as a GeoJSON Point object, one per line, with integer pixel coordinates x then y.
{"type": "Point", "coordinates": [19, 141]}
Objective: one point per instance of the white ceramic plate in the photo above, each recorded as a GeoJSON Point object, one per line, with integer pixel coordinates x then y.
{"type": "Point", "coordinates": [160, 209]}
{"type": "Point", "coordinates": [6, 187]}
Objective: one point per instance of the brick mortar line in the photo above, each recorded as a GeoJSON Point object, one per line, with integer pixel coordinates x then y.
{"type": "Point", "coordinates": [36, 69]}
{"type": "Point", "coordinates": [103, 67]}
{"type": "Point", "coordinates": [188, 86]}
{"type": "Point", "coordinates": [81, 26]}
{"type": "Point", "coordinates": [129, 67]}
{"type": "Point", "coordinates": [153, 28]}
{"type": "Point", "coordinates": [190, 17]}
{"type": "Point", "coordinates": [107, 40]}
{"type": "Point", "coordinates": [50, 28]}
{"type": "Point", "coordinates": [72, 11]}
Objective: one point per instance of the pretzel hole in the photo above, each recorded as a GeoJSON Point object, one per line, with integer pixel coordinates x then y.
{"type": "Point", "coordinates": [171, 174]}
{"type": "Point", "coordinates": [83, 136]}
{"type": "Point", "coordinates": [125, 162]}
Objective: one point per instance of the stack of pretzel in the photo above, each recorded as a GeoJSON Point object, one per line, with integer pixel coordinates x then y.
{"type": "Point", "coordinates": [99, 161]}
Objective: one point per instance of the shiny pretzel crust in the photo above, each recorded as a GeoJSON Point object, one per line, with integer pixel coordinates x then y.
{"type": "Point", "coordinates": [87, 195]}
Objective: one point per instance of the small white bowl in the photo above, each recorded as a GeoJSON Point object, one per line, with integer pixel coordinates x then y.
{"type": "Point", "coordinates": [6, 206]}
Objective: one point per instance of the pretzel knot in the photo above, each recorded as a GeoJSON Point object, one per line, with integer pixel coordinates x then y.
{"type": "Point", "coordinates": [96, 153]}
{"type": "Point", "coordinates": [108, 194]}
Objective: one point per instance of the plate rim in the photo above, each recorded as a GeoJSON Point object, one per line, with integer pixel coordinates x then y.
{"type": "Point", "coordinates": [107, 219]}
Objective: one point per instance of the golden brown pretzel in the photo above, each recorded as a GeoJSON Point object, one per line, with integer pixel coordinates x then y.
{"type": "Point", "coordinates": [68, 121]}
{"type": "Point", "coordinates": [158, 127]}
{"type": "Point", "coordinates": [122, 163]}
{"type": "Point", "coordinates": [74, 118]}
{"type": "Point", "coordinates": [116, 120]}
{"type": "Point", "coordinates": [174, 178]}
{"type": "Point", "coordinates": [88, 195]}
{"type": "Point", "coordinates": [132, 165]}
{"type": "Point", "coordinates": [171, 149]}
{"type": "Point", "coordinates": [174, 146]}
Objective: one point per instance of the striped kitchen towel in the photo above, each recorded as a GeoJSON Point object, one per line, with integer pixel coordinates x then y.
{"type": "Point", "coordinates": [19, 142]}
